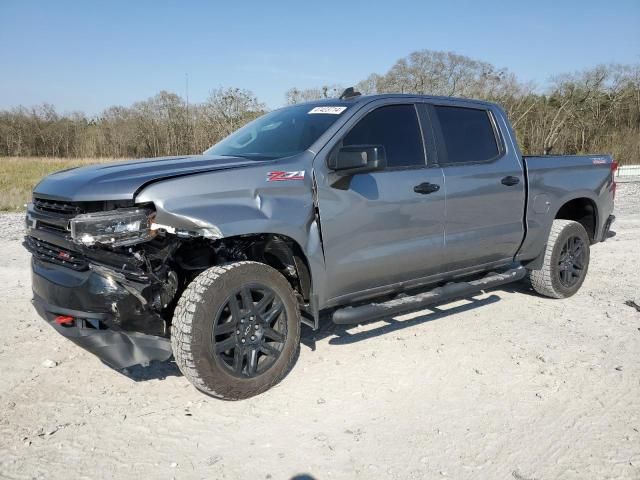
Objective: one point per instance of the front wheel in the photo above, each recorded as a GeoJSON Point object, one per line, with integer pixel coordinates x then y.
{"type": "Point", "coordinates": [566, 260]}
{"type": "Point", "coordinates": [236, 330]}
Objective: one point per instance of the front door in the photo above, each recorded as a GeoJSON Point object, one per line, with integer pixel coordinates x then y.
{"type": "Point", "coordinates": [384, 227]}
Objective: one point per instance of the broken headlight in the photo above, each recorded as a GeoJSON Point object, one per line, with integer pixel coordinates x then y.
{"type": "Point", "coordinates": [124, 226]}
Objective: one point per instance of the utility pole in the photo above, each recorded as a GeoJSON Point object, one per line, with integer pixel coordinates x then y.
{"type": "Point", "coordinates": [189, 129]}
{"type": "Point", "coordinates": [186, 75]}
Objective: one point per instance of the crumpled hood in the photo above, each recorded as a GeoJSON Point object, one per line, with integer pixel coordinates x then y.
{"type": "Point", "coordinates": [121, 180]}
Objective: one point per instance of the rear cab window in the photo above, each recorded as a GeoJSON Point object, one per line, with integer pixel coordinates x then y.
{"type": "Point", "coordinates": [468, 135]}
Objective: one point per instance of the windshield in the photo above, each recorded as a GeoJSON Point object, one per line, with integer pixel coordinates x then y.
{"type": "Point", "coordinates": [280, 133]}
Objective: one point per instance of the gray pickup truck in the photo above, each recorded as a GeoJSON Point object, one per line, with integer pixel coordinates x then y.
{"type": "Point", "coordinates": [354, 209]}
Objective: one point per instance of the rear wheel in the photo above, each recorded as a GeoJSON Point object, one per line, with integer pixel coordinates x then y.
{"type": "Point", "coordinates": [566, 260]}
{"type": "Point", "coordinates": [236, 330]}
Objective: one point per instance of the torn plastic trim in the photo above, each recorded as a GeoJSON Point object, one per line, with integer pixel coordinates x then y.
{"type": "Point", "coordinates": [109, 274]}
{"type": "Point", "coordinates": [117, 348]}
{"type": "Point", "coordinates": [206, 231]}
{"type": "Point", "coordinates": [100, 291]}
{"type": "Point", "coordinates": [155, 291]}
{"type": "Point", "coordinates": [115, 287]}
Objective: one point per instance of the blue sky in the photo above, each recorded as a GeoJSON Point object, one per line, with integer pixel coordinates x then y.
{"type": "Point", "coordinates": [87, 55]}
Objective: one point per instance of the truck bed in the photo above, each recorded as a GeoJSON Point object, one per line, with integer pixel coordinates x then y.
{"type": "Point", "coordinates": [554, 179]}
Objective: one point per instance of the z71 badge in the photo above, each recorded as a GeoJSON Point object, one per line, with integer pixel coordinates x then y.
{"type": "Point", "coordinates": [282, 176]}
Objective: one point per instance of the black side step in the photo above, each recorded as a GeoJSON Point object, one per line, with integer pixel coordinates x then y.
{"type": "Point", "coordinates": [450, 291]}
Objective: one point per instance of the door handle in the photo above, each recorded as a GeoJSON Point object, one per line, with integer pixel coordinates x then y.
{"type": "Point", "coordinates": [509, 181]}
{"type": "Point", "coordinates": [426, 188]}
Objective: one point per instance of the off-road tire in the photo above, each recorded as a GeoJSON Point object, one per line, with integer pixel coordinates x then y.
{"type": "Point", "coordinates": [546, 280]}
{"type": "Point", "coordinates": [193, 324]}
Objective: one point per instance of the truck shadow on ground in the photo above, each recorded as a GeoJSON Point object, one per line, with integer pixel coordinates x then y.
{"type": "Point", "coordinates": [343, 336]}
{"type": "Point", "coordinates": [155, 371]}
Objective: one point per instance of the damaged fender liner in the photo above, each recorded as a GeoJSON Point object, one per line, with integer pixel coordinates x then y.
{"type": "Point", "coordinates": [99, 305]}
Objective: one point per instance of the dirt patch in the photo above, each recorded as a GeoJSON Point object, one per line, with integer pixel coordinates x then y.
{"type": "Point", "coordinates": [507, 385]}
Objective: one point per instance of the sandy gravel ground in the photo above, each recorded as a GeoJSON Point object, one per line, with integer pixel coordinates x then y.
{"type": "Point", "coordinates": [507, 386]}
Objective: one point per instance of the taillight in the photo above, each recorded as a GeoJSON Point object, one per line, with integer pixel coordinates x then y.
{"type": "Point", "coordinates": [614, 167]}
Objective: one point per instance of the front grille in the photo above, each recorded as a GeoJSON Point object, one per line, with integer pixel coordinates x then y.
{"type": "Point", "coordinates": [53, 228]}
{"type": "Point", "coordinates": [57, 207]}
{"type": "Point", "coordinates": [52, 253]}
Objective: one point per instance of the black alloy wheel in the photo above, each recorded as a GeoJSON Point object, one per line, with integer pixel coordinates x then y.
{"type": "Point", "coordinates": [250, 331]}
{"type": "Point", "coordinates": [572, 261]}
{"type": "Point", "coordinates": [235, 332]}
{"type": "Point", "coordinates": [565, 262]}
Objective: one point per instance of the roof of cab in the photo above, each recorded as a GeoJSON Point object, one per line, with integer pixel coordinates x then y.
{"type": "Point", "coordinates": [369, 98]}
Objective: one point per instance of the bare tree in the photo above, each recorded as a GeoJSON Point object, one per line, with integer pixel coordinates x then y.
{"type": "Point", "coordinates": [595, 110]}
{"type": "Point", "coordinates": [295, 95]}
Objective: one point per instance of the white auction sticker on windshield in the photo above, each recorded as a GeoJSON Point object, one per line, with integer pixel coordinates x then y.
{"type": "Point", "coordinates": [329, 110]}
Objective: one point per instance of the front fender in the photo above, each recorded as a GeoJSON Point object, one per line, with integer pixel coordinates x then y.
{"type": "Point", "coordinates": [242, 202]}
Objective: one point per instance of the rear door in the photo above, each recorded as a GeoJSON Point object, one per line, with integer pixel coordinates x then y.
{"type": "Point", "coordinates": [384, 227]}
{"type": "Point", "coordinates": [485, 191]}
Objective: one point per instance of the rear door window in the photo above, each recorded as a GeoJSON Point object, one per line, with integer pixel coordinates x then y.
{"type": "Point", "coordinates": [396, 128]}
{"type": "Point", "coordinates": [468, 134]}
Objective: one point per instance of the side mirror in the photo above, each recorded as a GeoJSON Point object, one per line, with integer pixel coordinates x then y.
{"type": "Point", "coordinates": [354, 159]}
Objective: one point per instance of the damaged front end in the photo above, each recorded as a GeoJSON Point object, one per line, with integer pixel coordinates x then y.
{"type": "Point", "coordinates": [103, 269]}
{"type": "Point", "coordinates": [107, 276]}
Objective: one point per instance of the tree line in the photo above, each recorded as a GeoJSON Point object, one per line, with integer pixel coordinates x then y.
{"type": "Point", "coordinates": [162, 125]}
{"type": "Point", "coordinates": [593, 111]}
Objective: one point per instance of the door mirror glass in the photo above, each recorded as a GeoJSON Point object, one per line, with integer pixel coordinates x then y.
{"type": "Point", "coordinates": [353, 159]}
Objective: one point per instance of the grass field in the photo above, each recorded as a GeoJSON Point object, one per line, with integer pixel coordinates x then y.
{"type": "Point", "coordinates": [18, 176]}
